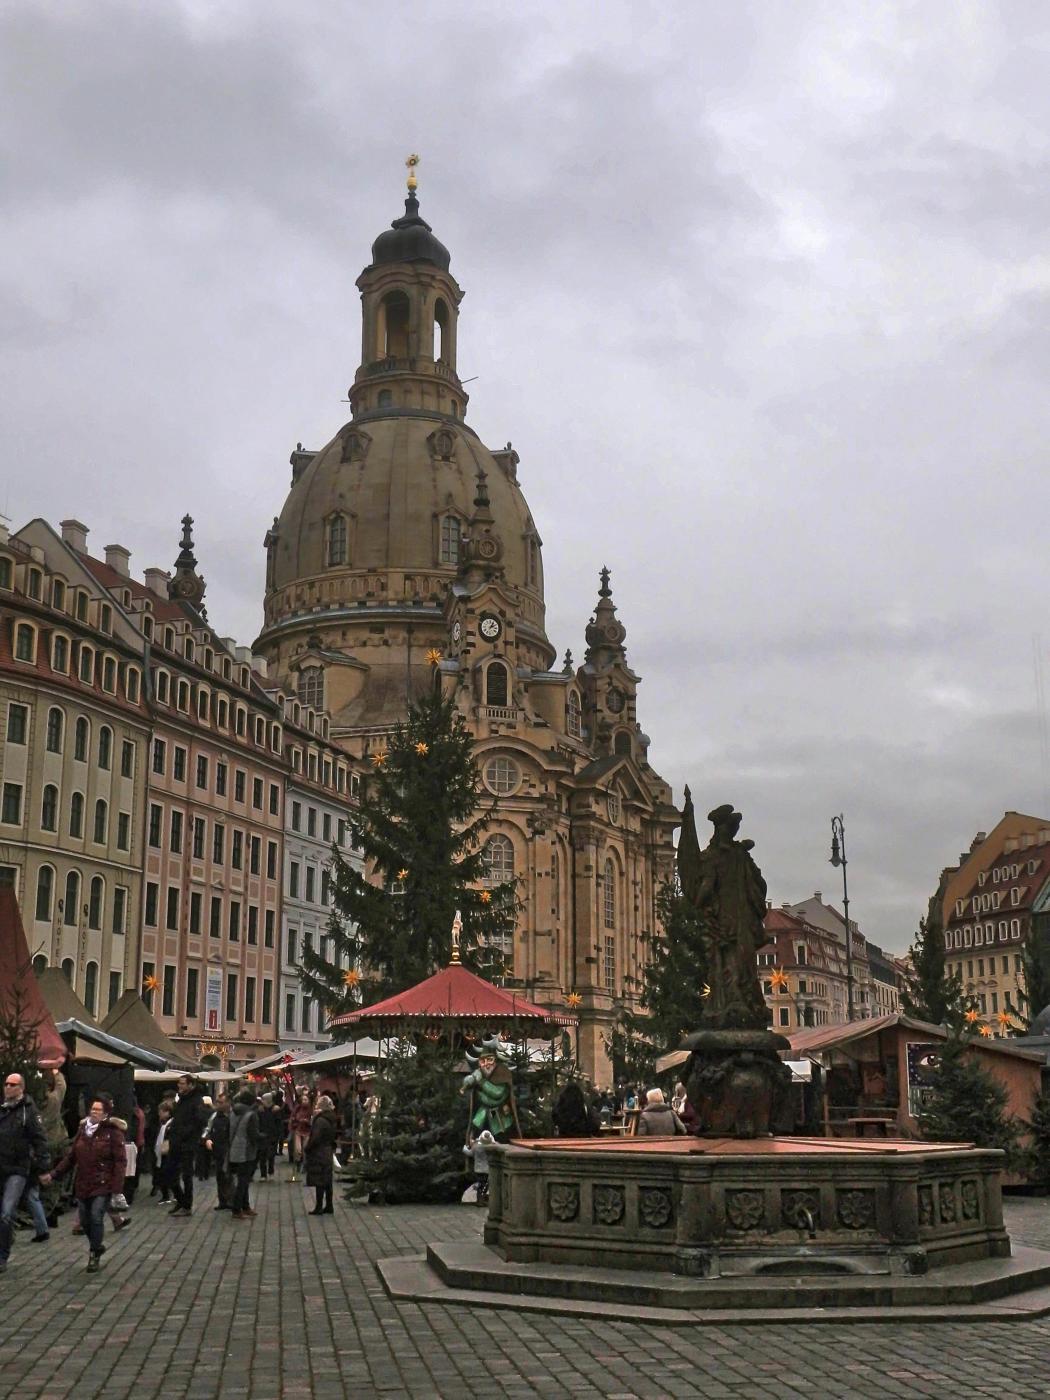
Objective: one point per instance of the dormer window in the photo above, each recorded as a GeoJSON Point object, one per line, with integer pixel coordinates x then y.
{"type": "Point", "coordinates": [58, 594]}
{"type": "Point", "coordinates": [169, 638]}
{"type": "Point", "coordinates": [82, 606]}
{"type": "Point", "coordinates": [6, 572]}
{"type": "Point", "coordinates": [106, 618]}
{"type": "Point", "coordinates": [336, 540]}
{"type": "Point", "coordinates": [147, 627]}
{"type": "Point", "coordinates": [33, 584]}
{"type": "Point", "coordinates": [25, 642]}
{"type": "Point", "coordinates": [311, 687]}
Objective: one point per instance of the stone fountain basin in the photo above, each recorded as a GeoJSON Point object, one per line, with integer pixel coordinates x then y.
{"type": "Point", "coordinates": [779, 1207]}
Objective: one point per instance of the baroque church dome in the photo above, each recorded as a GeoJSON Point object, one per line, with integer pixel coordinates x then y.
{"type": "Point", "coordinates": [376, 523]}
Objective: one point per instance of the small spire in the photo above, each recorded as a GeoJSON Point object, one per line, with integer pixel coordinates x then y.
{"type": "Point", "coordinates": [605, 591]}
{"type": "Point", "coordinates": [412, 162]}
{"type": "Point", "coordinates": [481, 494]}
{"type": "Point", "coordinates": [567, 668]}
{"type": "Point", "coordinates": [187, 584]}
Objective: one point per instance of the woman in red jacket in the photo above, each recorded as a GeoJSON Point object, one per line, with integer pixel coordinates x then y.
{"type": "Point", "coordinates": [97, 1153]}
{"type": "Point", "coordinates": [299, 1128]}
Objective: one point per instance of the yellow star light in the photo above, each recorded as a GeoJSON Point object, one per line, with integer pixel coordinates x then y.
{"type": "Point", "coordinates": [778, 978]}
{"type": "Point", "coordinates": [486, 896]}
{"type": "Point", "coordinates": [986, 1031]}
{"type": "Point", "coordinates": [973, 1016]}
{"type": "Point", "coordinates": [433, 657]}
{"type": "Point", "coordinates": [705, 990]}
{"type": "Point", "coordinates": [151, 983]}
{"type": "Point", "coordinates": [1004, 1019]}
{"type": "Point", "coordinates": [351, 978]}
{"type": "Point", "coordinates": [402, 874]}
{"type": "Point", "coordinates": [422, 749]}
{"type": "Point", "coordinates": [574, 999]}
{"type": "Point", "coordinates": [379, 758]}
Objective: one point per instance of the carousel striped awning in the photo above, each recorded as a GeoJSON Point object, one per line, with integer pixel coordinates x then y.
{"type": "Point", "coordinates": [456, 994]}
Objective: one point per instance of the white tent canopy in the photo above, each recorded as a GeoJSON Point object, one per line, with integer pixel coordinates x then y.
{"type": "Point", "coordinates": [364, 1049]}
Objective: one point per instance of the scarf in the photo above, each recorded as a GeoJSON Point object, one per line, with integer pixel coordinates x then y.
{"type": "Point", "coordinates": [91, 1127]}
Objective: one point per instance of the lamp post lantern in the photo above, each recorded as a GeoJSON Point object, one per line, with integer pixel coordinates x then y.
{"type": "Point", "coordinates": [838, 857]}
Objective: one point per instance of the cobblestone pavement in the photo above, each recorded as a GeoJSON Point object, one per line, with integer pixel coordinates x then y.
{"type": "Point", "coordinates": [291, 1306]}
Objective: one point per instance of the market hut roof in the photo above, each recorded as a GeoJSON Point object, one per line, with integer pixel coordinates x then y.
{"type": "Point", "coordinates": [455, 994]}
{"type": "Point", "coordinates": [130, 1019]}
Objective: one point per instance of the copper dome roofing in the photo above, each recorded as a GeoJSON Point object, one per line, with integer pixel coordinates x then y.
{"type": "Point", "coordinates": [410, 239]}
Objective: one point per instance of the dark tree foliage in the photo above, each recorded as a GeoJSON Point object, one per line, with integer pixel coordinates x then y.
{"type": "Point", "coordinates": [1036, 964]}
{"type": "Point", "coordinates": [967, 1104]}
{"type": "Point", "coordinates": [19, 1042]}
{"type": "Point", "coordinates": [929, 993]}
{"type": "Point", "coordinates": [1039, 1151]}
{"type": "Point", "coordinates": [672, 993]}
{"type": "Point", "coordinates": [420, 826]}
{"type": "Point", "coordinates": [414, 1143]}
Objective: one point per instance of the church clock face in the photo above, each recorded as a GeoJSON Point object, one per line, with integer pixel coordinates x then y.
{"type": "Point", "coordinates": [457, 631]}
{"type": "Point", "coordinates": [615, 700]}
{"type": "Point", "coordinates": [490, 627]}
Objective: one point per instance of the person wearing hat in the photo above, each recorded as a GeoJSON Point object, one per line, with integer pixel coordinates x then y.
{"type": "Point", "coordinates": [269, 1136]}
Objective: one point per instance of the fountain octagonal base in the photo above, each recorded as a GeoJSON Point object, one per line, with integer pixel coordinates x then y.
{"type": "Point", "coordinates": [723, 1208]}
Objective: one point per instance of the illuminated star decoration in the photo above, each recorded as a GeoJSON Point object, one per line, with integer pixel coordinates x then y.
{"type": "Point", "coordinates": [351, 978]}
{"type": "Point", "coordinates": [574, 999]}
{"type": "Point", "coordinates": [705, 990]}
{"type": "Point", "coordinates": [151, 984]}
{"type": "Point", "coordinates": [778, 978]}
{"type": "Point", "coordinates": [422, 749]}
{"type": "Point", "coordinates": [486, 896]}
{"type": "Point", "coordinates": [433, 657]}
{"type": "Point", "coordinates": [973, 1016]}
{"type": "Point", "coordinates": [1004, 1020]}
{"type": "Point", "coordinates": [986, 1031]}
{"type": "Point", "coordinates": [379, 758]}
{"type": "Point", "coordinates": [402, 874]}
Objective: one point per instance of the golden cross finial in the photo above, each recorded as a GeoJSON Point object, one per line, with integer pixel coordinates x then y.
{"type": "Point", "coordinates": [412, 162]}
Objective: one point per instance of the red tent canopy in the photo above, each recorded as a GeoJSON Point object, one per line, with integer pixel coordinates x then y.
{"type": "Point", "coordinates": [17, 979]}
{"type": "Point", "coordinates": [456, 994]}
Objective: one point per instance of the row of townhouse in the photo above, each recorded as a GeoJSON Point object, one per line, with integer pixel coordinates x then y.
{"type": "Point", "coordinates": [166, 819]}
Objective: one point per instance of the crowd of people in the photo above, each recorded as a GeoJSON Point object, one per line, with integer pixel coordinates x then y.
{"type": "Point", "coordinates": [184, 1138]}
{"type": "Point", "coordinates": [628, 1109]}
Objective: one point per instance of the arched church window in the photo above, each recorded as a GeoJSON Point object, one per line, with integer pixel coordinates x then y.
{"type": "Point", "coordinates": [609, 894]}
{"type": "Point", "coordinates": [337, 539]}
{"type": "Point", "coordinates": [440, 330]}
{"type": "Point", "coordinates": [496, 684]}
{"type": "Point", "coordinates": [573, 715]}
{"type": "Point", "coordinates": [311, 687]}
{"type": "Point", "coordinates": [498, 858]}
{"type": "Point", "coordinates": [394, 326]}
{"type": "Point", "coordinates": [622, 742]}
{"type": "Point", "coordinates": [450, 530]}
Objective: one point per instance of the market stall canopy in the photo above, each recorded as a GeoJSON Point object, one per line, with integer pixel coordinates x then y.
{"type": "Point", "coordinates": [169, 1076]}
{"type": "Point", "coordinates": [131, 1020]}
{"type": "Point", "coordinates": [19, 989]}
{"type": "Point", "coordinates": [817, 1040]}
{"type": "Point", "coordinates": [69, 1012]}
{"type": "Point", "coordinates": [98, 1047]}
{"type": "Point", "coordinates": [279, 1060]}
{"type": "Point", "coordinates": [456, 994]}
{"type": "Point", "coordinates": [348, 1050]}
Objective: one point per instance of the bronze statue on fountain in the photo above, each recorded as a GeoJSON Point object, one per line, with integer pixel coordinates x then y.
{"type": "Point", "coordinates": [735, 1077]}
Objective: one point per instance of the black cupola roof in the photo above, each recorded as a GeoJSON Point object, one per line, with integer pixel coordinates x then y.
{"type": "Point", "coordinates": [410, 239]}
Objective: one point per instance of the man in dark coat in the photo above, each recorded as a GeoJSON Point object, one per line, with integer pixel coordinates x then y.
{"type": "Point", "coordinates": [218, 1144]}
{"type": "Point", "coordinates": [188, 1122]}
{"type": "Point", "coordinates": [23, 1154]}
{"type": "Point", "coordinates": [269, 1136]}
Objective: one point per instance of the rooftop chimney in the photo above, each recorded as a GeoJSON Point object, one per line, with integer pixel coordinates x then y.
{"type": "Point", "coordinates": [117, 558]}
{"type": "Point", "coordinates": [818, 896]}
{"type": "Point", "coordinates": [75, 535]}
{"type": "Point", "coordinates": [157, 582]}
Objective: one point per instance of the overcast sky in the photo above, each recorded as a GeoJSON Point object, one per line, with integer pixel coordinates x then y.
{"type": "Point", "coordinates": [758, 290]}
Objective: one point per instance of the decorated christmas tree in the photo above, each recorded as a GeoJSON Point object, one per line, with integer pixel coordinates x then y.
{"type": "Point", "coordinates": [966, 1104]}
{"type": "Point", "coordinates": [420, 826]}
{"type": "Point", "coordinates": [930, 993]}
{"type": "Point", "coordinates": [413, 1143]}
{"type": "Point", "coordinates": [19, 1042]}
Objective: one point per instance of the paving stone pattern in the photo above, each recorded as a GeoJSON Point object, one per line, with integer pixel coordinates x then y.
{"type": "Point", "coordinates": [290, 1307]}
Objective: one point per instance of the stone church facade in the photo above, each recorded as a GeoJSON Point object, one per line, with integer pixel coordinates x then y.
{"type": "Point", "coordinates": [406, 535]}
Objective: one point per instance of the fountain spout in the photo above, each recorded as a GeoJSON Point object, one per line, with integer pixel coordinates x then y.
{"type": "Point", "coordinates": [805, 1222]}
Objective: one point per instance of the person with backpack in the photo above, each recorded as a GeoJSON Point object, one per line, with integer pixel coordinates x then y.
{"type": "Point", "coordinates": [23, 1155]}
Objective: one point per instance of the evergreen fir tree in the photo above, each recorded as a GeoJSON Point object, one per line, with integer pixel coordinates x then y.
{"type": "Point", "coordinates": [929, 992]}
{"type": "Point", "coordinates": [967, 1104]}
{"type": "Point", "coordinates": [414, 1144]}
{"type": "Point", "coordinates": [1039, 1149]}
{"type": "Point", "coordinates": [19, 1042]}
{"type": "Point", "coordinates": [1036, 964]}
{"type": "Point", "coordinates": [672, 991]}
{"type": "Point", "coordinates": [420, 826]}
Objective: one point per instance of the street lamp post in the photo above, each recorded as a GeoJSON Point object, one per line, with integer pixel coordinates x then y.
{"type": "Point", "coordinates": [838, 857]}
